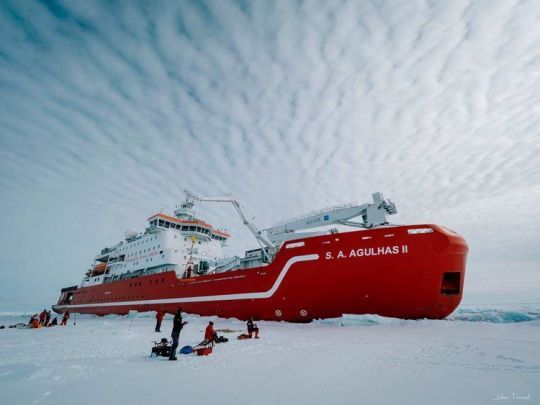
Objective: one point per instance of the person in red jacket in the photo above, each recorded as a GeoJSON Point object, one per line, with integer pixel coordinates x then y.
{"type": "Point", "coordinates": [159, 318]}
{"type": "Point", "coordinates": [65, 318]}
{"type": "Point", "coordinates": [42, 317]}
{"type": "Point", "coordinates": [209, 332]}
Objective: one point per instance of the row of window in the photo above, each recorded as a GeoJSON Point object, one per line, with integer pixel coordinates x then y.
{"type": "Point", "coordinates": [145, 239]}
{"type": "Point", "coordinates": [185, 228]}
{"type": "Point", "coordinates": [143, 251]}
{"type": "Point", "coordinates": [109, 299]}
{"type": "Point", "coordinates": [123, 266]}
{"type": "Point", "coordinates": [154, 281]}
{"type": "Point", "coordinates": [138, 273]}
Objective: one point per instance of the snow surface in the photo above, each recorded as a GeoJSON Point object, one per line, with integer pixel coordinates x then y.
{"type": "Point", "coordinates": [477, 355]}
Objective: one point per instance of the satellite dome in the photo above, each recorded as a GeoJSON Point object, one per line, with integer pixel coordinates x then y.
{"type": "Point", "coordinates": [130, 233]}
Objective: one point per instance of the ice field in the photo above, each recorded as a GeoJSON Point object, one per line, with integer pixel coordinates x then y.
{"type": "Point", "coordinates": [479, 355]}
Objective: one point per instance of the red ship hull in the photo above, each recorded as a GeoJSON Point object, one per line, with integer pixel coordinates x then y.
{"type": "Point", "coordinates": [395, 271]}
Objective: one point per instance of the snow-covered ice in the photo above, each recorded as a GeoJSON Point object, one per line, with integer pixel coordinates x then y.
{"type": "Point", "coordinates": [476, 356]}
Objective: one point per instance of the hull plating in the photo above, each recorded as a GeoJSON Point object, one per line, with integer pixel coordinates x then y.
{"type": "Point", "coordinates": [387, 271]}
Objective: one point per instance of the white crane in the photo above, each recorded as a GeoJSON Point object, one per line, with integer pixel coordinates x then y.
{"type": "Point", "coordinates": [254, 230]}
{"type": "Point", "coordinates": [373, 214]}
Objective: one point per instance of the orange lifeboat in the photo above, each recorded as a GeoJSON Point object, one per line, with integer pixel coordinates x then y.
{"type": "Point", "coordinates": [99, 268]}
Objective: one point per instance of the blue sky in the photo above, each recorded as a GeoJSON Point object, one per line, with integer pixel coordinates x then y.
{"type": "Point", "coordinates": [108, 110]}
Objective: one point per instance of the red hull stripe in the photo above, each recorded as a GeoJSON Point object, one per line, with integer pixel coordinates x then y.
{"type": "Point", "coordinates": [227, 297]}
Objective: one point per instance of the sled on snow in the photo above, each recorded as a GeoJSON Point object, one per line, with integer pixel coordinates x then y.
{"type": "Point", "coordinates": [161, 348]}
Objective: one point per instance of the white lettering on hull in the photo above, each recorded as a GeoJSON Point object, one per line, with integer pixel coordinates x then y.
{"type": "Point", "coordinates": [366, 252]}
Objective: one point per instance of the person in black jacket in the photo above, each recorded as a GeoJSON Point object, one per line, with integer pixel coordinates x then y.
{"type": "Point", "coordinates": [177, 327]}
{"type": "Point", "coordinates": [47, 318]}
{"type": "Point", "coordinates": [252, 328]}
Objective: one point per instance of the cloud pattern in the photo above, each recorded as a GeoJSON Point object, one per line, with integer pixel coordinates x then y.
{"type": "Point", "coordinates": [110, 109]}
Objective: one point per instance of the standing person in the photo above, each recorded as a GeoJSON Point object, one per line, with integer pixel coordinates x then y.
{"type": "Point", "coordinates": [159, 318]}
{"type": "Point", "coordinates": [252, 328]}
{"type": "Point", "coordinates": [65, 318]}
{"type": "Point", "coordinates": [42, 317]}
{"type": "Point", "coordinates": [47, 318]}
{"type": "Point", "coordinates": [177, 327]}
{"type": "Point", "coordinates": [209, 332]}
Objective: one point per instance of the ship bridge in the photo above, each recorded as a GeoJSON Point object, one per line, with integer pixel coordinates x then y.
{"type": "Point", "coordinates": [193, 226]}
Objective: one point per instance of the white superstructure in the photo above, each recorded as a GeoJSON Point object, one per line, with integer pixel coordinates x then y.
{"type": "Point", "coordinates": [181, 243]}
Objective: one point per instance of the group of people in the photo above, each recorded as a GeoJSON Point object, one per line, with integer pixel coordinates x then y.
{"type": "Point", "coordinates": [44, 320]}
{"type": "Point", "coordinates": [209, 334]}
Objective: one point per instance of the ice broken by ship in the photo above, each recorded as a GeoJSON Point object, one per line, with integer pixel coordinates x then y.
{"type": "Point", "coordinates": [303, 270]}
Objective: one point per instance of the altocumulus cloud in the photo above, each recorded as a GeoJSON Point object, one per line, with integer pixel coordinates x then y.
{"type": "Point", "coordinates": [108, 110]}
